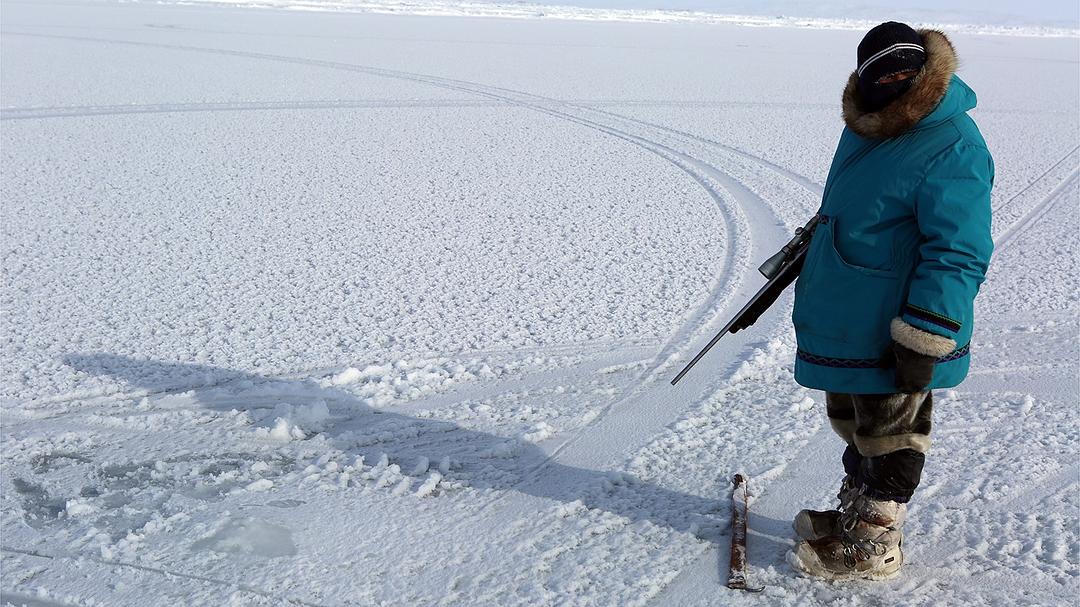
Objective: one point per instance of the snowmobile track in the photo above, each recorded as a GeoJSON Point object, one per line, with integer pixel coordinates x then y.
{"type": "Point", "coordinates": [81, 111]}
{"type": "Point", "coordinates": [800, 180]}
{"type": "Point", "coordinates": [1037, 180]}
{"type": "Point", "coordinates": [729, 276]}
{"type": "Point", "coordinates": [1064, 190]}
{"type": "Point", "coordinates": [165, 572]}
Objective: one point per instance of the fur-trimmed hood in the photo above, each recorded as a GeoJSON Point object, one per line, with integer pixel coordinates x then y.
{"type": "Point", "coordinates": [926, 91]}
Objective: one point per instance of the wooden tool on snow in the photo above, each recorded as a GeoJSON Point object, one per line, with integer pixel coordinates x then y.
{"type": "Point", "coordinates": [739, 513]}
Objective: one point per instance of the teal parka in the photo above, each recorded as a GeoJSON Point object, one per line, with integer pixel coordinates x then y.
{"type": "Point", "coordinates": [904, 237]}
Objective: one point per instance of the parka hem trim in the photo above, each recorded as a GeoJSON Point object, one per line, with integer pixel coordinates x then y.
{"type": "Point", "coordinates": [871, 363]}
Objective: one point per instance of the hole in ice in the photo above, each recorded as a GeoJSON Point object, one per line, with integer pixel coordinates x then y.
{"type": "Point", "coordinates": [249, 536]}
{"type": "Point", "coordinates": [39, 508]}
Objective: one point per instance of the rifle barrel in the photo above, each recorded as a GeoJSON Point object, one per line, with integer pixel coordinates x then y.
{"type": "Point", "coordinates": [704, 350]}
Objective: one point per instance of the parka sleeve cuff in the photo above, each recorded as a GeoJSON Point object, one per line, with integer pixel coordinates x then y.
{"type": "Point", "coordinates": [919, 340]}
{"type": "Point", "coordinates": [931, 321]}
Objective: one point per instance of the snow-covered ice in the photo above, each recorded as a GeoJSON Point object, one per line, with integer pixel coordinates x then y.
{"type": "Point", "coordinates": [305, 307]}
{"type": "Point", "coordinates": [1053, 18]}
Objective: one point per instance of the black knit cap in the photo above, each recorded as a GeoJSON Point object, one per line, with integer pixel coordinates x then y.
{"type": "Point", "coordinates": [887, 49]}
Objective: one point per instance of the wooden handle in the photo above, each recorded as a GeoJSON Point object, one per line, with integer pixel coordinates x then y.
{"type": "Point", "coordinates": [737, 565]}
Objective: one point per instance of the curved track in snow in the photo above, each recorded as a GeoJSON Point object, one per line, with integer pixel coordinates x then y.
{"type": "Point", "coordinates": [79, 111]}
{"type": "Point", "coordinates": [731, 197]}
{"type": "Point", "coordinates": [1065, 191]}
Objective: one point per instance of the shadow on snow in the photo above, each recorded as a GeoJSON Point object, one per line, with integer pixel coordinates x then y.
{"type": "Point", "coordinates": [486, 461]}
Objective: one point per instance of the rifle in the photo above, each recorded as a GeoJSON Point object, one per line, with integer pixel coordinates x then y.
{"type": "Point", "coordinates": [781, 270]}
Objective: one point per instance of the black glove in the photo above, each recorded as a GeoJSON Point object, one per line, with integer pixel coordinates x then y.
{"type": "Point", "coordinates": [913, 370]}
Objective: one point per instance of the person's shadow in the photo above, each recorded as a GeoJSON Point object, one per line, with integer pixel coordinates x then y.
{"type": "Point", "coordinates": [485, 461]}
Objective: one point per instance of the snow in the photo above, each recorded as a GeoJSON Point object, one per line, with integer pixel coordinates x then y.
{"type": "Point", "coordinates": [351, 308]}
{"type": "Point", "coordinates": [1049, 21]}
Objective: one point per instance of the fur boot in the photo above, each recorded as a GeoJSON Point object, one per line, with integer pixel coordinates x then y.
{"type": "Point", "coordinates": [867, 547]}
{"type": "Point", "coordinates": [818, 524]}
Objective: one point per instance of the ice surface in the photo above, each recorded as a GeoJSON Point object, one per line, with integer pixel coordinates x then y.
{"type": "Point", "coordinates": [318, 308]}
{"type": "Point", "coordinates": [1047, 19]}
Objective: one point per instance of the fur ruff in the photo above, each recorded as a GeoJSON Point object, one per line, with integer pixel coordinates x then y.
{"type": "Point", "coordinates": [923, 342]}
{"type": "Point", "coordinates": [929, 86]}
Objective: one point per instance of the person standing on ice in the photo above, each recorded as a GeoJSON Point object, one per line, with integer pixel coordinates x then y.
{"type": "Point", "coordinates": [902, 245]}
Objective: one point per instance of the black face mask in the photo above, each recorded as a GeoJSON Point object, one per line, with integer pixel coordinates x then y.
{"type": "Point", "coordinates": [876, 96]}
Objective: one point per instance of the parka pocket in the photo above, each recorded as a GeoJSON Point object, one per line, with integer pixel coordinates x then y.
{"type": "Point", "coordinates": [889, 272]}
{"type": "Point", "coordinates": [846, 303]}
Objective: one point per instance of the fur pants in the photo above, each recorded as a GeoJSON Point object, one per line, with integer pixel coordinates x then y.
{"type": "Point", "coordinates": [888, 436]}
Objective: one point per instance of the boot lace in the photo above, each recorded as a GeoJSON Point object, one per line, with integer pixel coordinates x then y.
{"type": "Point", "coordinates": [856, 549]}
